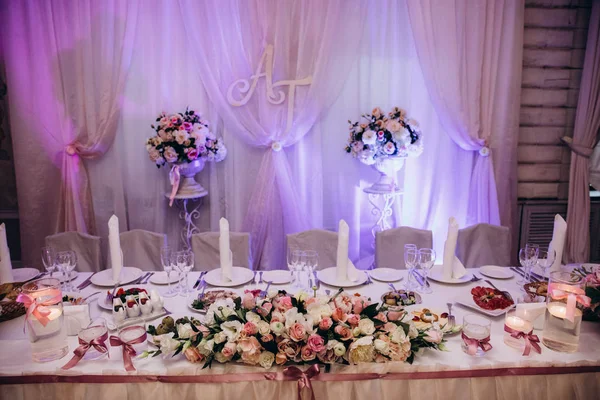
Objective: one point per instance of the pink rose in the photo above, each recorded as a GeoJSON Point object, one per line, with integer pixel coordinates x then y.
{"type": "Point", "coordinates": [280, 358]}
{"type": "Point", "coordinates": [343, 302]}
{"type": "Point", "coordinates": [433, 336]}
{"type": "Point", "coordinates": [229, 350]}
{"type": "Point", "coordinates": [325, 324]}
{"type": "Point", "coordinates": [353, 320]}
{"type": "Point", "coordinates": [344, 332]}
{"type": "Point", "coordinates": [310, 301]}
{"type": "Point", "coordinates": [289, 348]}
{"type": "Point", "coordinates": [381, 317]}
{"type": "Point", "coordinates": [264, 309]}
{"type": "Point", "coordinates": [187, 126]}
{"type": "Point", "coordinates": [284, 303]}
{"type": "Point", "coordinates": [339, 315]}
{"type": "Point", "coordinates": [389, 327]}
{"type": "Point", "coordinates": [249, 345]}
{"type": "Point", "coordinates": [174, 120]}
{"type": "Point", "coordinates": [192, 154]}
{"type": "Point", "coordinates": [248, 301]}
{"type": "Point", "coordinates": [297, 332]}
{"type": "Point", "coordinates": [307, 354]}
{"type": "Point", "coordinates": [266, 338]}
{"type": "Point", "coordinates": [250, 328]}
{"type": "Point", "coordinates": [395, 315]}
{"type": "Point", "coordinates": [358, 304]}
{"type": "Point", "coordinates": [316, 343]}
{"type": "Point", "coordinates": [193, 355]}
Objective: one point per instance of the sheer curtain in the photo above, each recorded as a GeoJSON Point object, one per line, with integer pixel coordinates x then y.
{"type": "Point", "coordinates": [312, 44]}
{"type": "Point", "coordinates": [66, 64]}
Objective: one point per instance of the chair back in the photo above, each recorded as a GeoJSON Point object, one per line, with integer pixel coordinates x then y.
{"type": "Point", "coordinates": [141, 249]}
{"type": "Point", "coordinates": [484, 244]}
{"type": "Point", "coordinates": [87, 247]}
{"type": "Point", "coordinates": [389, 245]}
{"type": "Point", "coordinates": [322, 241]}
{"type": "Point", "coordinates": [205, 246]}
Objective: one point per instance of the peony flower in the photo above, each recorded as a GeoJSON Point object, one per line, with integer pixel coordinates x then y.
{"type": "Point", "coordinates": [266, 359]}
{"type": "Point", "coordinates": [280, 358]}
{"type": "Point", "coordinates": [170, 154]}
{"type": "Point", "coordinates": [297, 332]}
{"type": "Point", "coordinates": [344, 332]}
{"type": "Point", "coordinates": [307, 353]}
{"type": "Point", "coordinates": [229, 350]}
{"type": "Point", "coordinates": [366, 326]}
{"type": "Point", "coordinates": [193, 355]}
{"type": "Point", "coordinates": [369, 137]}
{"type": "Point", "coordinates": [353, 320]}
{"type": "Point", "coordinates": [361, 351]}
{"type": "Point", "coordinates": [232, 330]}
{"type": "Point", "coordinates": [277, 327]}
{"type": "Point", "coordinates": [399, 352]}
{"type": "Point", "coordinates": [250, 328]}
{"type": "Point", "coordinates": [316, 343]}
{"type": "Point", "coordinates": [248, 301]}
{"type": "Point", "coordinates": [181, 136]}
{"type": "Point", "coordinates": [185, 331]}
{"type": "Point", "coordinates": [252, 317]}
{"type": "Point", "coordinates": [325, 324]}
{"type": "Point", "coordinates": [389, 148]}
{"type": "Point", "coordinates": [433, 336]}
{"type": "Point", "coordinates": [289, 348]}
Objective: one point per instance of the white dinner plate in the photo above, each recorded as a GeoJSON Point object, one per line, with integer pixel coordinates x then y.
{"type": "Point", "coordinates": [160, 278]}
{"type": "Point", "coordinates": [24, 274]}
{"type": "Point", "coordinates": [128, 275]}
{"type": "Point", "coordinates": [437, 274]}
{"type": "Point", "coordinates": [102, 303]}
{"type": "Point", "coordinates": [329, 277]}
{"type": "Point", "coordinates": [239, 276]}
{"type": "Point", "coordinates": [494, 271]}
{"type": "Point", "coordinates": [466, 299]}
{"type": "Point", "coordinates": [277, 277]}
{"type": "Point", "coordinates": [386, 274]}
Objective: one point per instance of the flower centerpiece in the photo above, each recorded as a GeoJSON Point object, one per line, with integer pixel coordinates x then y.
{"type": "Point", "coordinates": [385, 141]}
{"type": "Point", "coordinates": [591, 277]}
{"type": "Point", "coordinates": [284, 329]}
{"type": "Point", "coordinates": [184, 141]}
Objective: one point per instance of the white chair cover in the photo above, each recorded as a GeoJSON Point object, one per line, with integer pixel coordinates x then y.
{"type": "Point", "coordinates": [205, 246]}
{"type": "Point", "coordinates": [323, 242]}
{"type": "Point", "coordinates": [389, 245]}
{"type": "Point", "coordinates": [484, 244]}
{"type": "Point", "coordinates": [141, 249]}
{"type": "Point", "coordinates": [87, 247]}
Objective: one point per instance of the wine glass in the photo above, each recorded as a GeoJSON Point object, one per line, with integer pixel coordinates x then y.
{"type": "Point", "coordinates": [426, 261]}
{"type": "Point", "coordinates": [66, 261]}
{"type": "Point", "coordinates": [528, 258]}
{"type": "Point", "coordinates": [411, 256]}
{"type": "Point", "coordinates": [546, 258]}
{"type": "Point", "coordinates": [297, 256]}
{"type": "Point", "coordinates": [310, 263]}
{"type": "Point", "coordinates": [291, 266]}
{"type": "Point", "coordinates": [185, 263]}
{"type": "Point", "coordinates": [166, 259]}
{"type": "Point", "coordinates": [49, 259]}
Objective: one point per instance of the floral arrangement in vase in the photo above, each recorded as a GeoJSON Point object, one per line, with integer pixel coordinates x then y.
{"type": "Point", "coordinates": [302, 329]}
{"type": "Point", "coordinates": [385, 141]}
{"type": "Point", "coordinates": [591, 277]}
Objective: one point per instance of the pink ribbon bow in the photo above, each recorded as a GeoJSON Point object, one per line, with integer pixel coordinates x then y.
{"type": "Point", "coordinates": [472, 344]}
{"type": "Point", "coordinates": [39, 309]}
{"type": "Point", "coordinates": [302, 377]}
{"type": "Point", "coordinates": [531, 340]}
{"type": "Point", "coordinates": [174, 178]}
{"type": "Point", "coordinates": [128, 350]}
{"type": "Point", "coordinates": [574, 295]}
{"type": "Point", "coordinates": [97, 343]}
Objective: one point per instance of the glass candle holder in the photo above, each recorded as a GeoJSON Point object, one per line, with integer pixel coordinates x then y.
{"type": "Point", "coordinates": [96, 331]}
{"type": "Point", "coordinates": [46, 328]}
{"type": "Point", "coordinates": [476, 335]}
{"type": "Point", "coordinates": [513, 324]}
{"type": "Point", "coordinates": [132, 334]}
{"type": "Point", "coordinates": [564, 303]}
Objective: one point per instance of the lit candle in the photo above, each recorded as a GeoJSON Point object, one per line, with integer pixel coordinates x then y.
{"type": "Point", "coordinates": [558, 310]}
{"type": "Point", "coordinates": [518, 324]}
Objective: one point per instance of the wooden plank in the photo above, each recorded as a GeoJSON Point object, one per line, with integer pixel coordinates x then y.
{"type": "Point", "coordinates": [546, 78]}
{"type": "Point", "coordinates": [537, 190]}
{"type": "Point", "coordinates": [532, 116]}
{"type": "Point", "coordinates": [544, 97]}
{"type": "Point", "coordinates": [577, 58]}
{"type": "Point", "coordinates": [547, 58]}
{"type": "Point", "coordinates": [580, 38]}
{"type": "Point", "coordinates": [541, 135]}
{"type": "Point", "coordinates": [583, 17]}
{"type": "Point", "coordinates": [573, 98]}
{"type": "Point", "coordinates": [543, 37]}
{"type": "Point", "coordinates": [550, 3]}
{"type": "Point", "coordinates": [575, 81]}
{"type": "Point", "coordinates": [550, 17]}
{"type": "Point", "coordinates": [540, 154]}
{"type": "Point", "coordinates": [539, 172]}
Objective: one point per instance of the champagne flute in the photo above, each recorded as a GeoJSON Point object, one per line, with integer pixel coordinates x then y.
{"type": "Point", "coordinates": [411, 256]}
{"type": "Point", "coordinates": [310, 257]}
{"type": "Point", "coordinates": [63, 259]}
{"type": "Point", "coordinates": [533, 251]}
{"type": "Point", "coordinates": [546, 258]}
{"type": "Point", "coordinates": [297, 263]}
{"type": "Point", "coordinates": [426, 261]}
{"type": "Point", "coordinates": [185, 263]}
{"type": "Point", "coordinates": [166, 258]}
{"type": "Point", "coordinates": [291, 266]}
{"type": "Point", "coordinates": [70, 267]}
{"type": "Point", "coordinates": [49, 259]}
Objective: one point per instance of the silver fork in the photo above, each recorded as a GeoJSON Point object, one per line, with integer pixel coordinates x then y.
{"type": "Point", "coordinates": [263, 293]}
{"type": "Point", "coordinates": [504, 292]}
{"type": "Point", "coordinates": [147, 278]}
{"type": "Point", "coordinates": [475, 278]}
{"type": "Point", "coordinates": [451, 318]}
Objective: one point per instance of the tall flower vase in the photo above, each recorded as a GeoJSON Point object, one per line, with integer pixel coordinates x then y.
{"type": "Point", "coordinates": [185, 173]}
{"type": "Point", "coordinates": [388, 168]}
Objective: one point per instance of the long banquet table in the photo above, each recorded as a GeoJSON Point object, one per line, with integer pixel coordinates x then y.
{"type": "Point", "coordinates": [503, 373]}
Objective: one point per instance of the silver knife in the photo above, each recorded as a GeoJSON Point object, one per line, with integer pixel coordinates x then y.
{"type": "Point", "coordinates": [199, 279]}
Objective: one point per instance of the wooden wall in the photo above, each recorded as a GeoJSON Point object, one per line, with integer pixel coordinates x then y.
{"type": "Point", "coordinates": [554, 49]}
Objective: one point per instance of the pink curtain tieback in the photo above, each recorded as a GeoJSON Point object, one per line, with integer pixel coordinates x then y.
{"type": "Point", "coordinates": [276, 146]}
{"type": "Point", "coordinates": [71, 150]}
{"type": "Point", "coordinates": [128, 350]}
{"type": "Point", "coordinates": [472, 344]}
{"type": "Point", "coordinates": [97, 343]}
{"type": "Point", "coordinates": [531, 340]}
{"type": "Point", "coordinates": [39, 308]}
{"type": "Point", "coordinates": [578, 149]}
{"type": "Point", "coordinates": [560, 291]}
{"type": "Point", "coordinates": [174, 178]}
{"type": "Point", "coordinates": [302, 377]}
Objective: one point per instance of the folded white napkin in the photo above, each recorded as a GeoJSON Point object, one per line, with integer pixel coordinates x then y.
{"type": "Point", "coordinates": [452, 267]}
{"type": "Point", "coordinates": [532, 312]}
{"type": "Point", "coordinates": [558, 241]}
{"type": "Point", "coordinates": [344, 267]}
{"type": "Point", "coordinates": [114, 244]}
{"type": "Point", "coordinates": [5, 265]}
{"type": "Point", "coordinates": [224, 250]}
{"type": "Point", "coordinates": [77, 318]}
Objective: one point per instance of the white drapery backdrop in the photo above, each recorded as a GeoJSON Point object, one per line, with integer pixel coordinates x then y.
{"type": "Point", "coordinates": [164, 76]}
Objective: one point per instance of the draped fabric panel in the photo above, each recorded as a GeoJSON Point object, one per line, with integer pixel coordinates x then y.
{"type": "Point", "coordinates": [586, 135]}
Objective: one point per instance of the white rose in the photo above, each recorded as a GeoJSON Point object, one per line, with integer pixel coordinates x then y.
{"type": "Point", "coordinates": [277, 328]}
{"type": "Point", "coordinates": [170, 154]}
{"type": "Point", "coordinates": [356, 332]}
{"type": "Point", "coordinates": [167, 344]}
{"type": "Point", "coordinates": [412, 330]}
{"type": "Point", "coordinates": [220, 337]}
{"type": "Point", "coordinates": [398, 336]}
{"type": "Point", "coordinates": [278, 315]}
{"type": "Point", "coordinates": [181, 136]}
{"type": "Point", "coordinates": [185, 331]}
{"type": "Point", "coordinates": [153, 154]}
{"type": "Point", "coordinates": [338, 347]}
{"type": "Point", "coordinates": [366, 326]}
{"type": "Point", "coordinates": [232, 330]}
{"type": "Point", "coordinates": [252, 317]}
{"type": "Point", "coordinates": [263, 327]}
{"type": "Point", "coordinates": [369, 137]}
{"type": "Point", "coordinates": [221, 358]}
{"type": "Point", "coordinates": [206, 347]}
{"type": "Point", "coordinates": [266, 359]}
{"type": "Point", "coordinates": [382, 346]}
